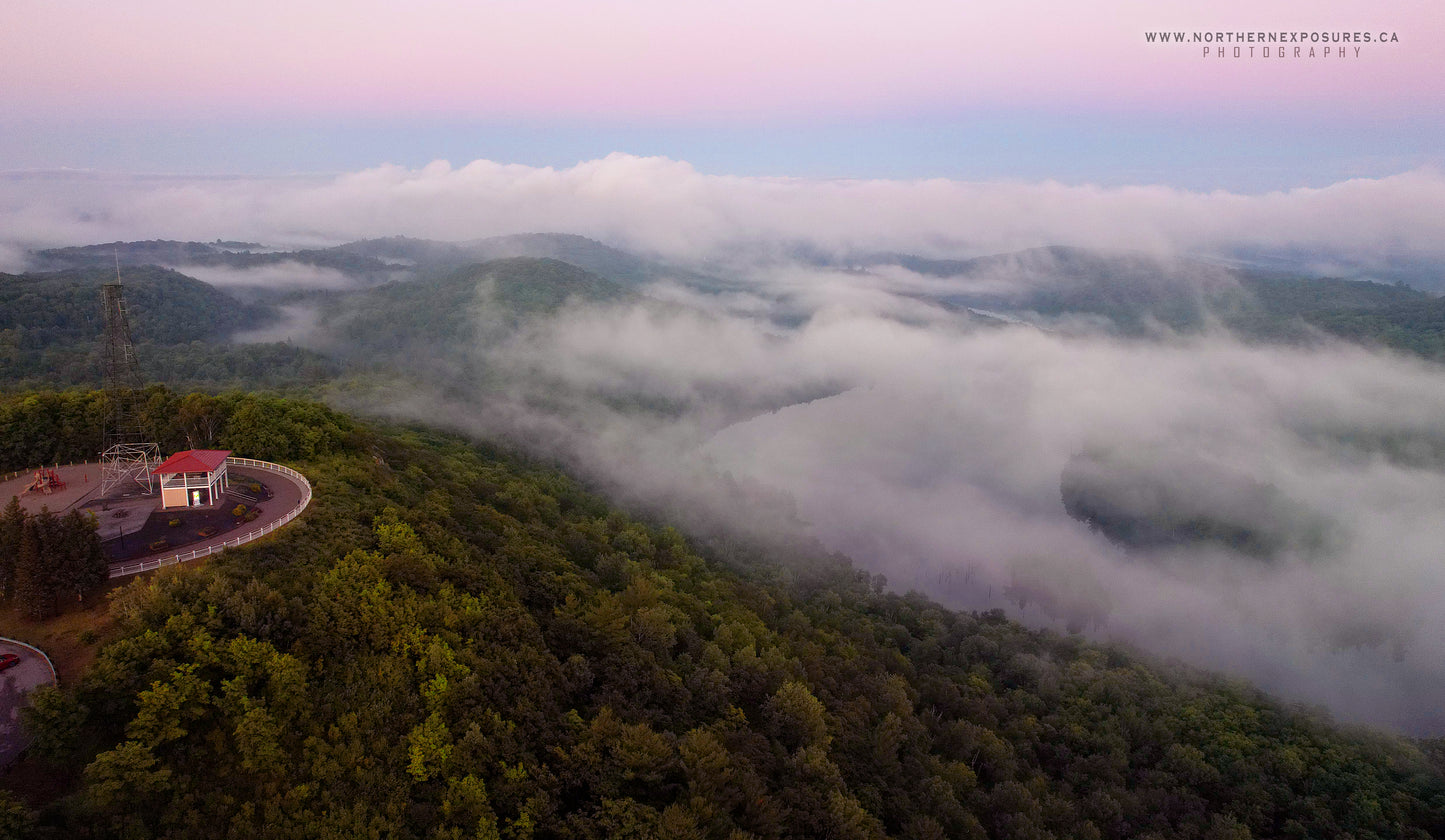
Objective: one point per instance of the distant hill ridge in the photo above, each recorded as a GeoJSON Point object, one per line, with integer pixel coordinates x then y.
{"type": "Point", "coordinates": [1135, 290]}
{"type": "Point", "coordinates": [153, 252]}
{"type": "Point", "coordinates": [165, 306]}
{"type": "Point", "coordinates": [443, 311]}
{"type": "Point", "coordinates": [602, 260]}
{"type": "Point", "coordinates": [365, 259]}
{"type": "Point", "coordinates": [173, 254]}
{"type": "Point", "coordinates": [50, 327]}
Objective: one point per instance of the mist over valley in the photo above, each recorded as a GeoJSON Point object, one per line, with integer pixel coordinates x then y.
{"type": "Point", "coordinates": [1236, 468]}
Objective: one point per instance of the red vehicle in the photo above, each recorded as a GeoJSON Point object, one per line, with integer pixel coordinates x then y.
{"type": "Point", "coordinates": [7, 660]}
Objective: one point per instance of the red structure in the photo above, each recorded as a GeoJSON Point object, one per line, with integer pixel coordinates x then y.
{"type": "Point", "coordinates": [193, 478]}
{"type": "Point", "coordinates": [46, 481]}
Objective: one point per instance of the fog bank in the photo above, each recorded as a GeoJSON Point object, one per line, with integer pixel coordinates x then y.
{"type": "Point", "coordinates": [931, 449]}
{"type": "Point", "coordinates": [666, 207]}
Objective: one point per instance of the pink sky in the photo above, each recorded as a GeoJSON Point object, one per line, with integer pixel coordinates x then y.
{"type": "Point", "coordinates": [166, 58]}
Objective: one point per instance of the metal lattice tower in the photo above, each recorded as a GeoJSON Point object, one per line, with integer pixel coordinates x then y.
{"type": "Point", "coordinates": [130, 452]}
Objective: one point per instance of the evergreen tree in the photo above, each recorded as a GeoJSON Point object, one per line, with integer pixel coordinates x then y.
{"type": "Point", "coordinates": [79, 560]}
{"type": "Point", "coordinates": [95, 566]}
{"type": "Point", "coordinates": [34, 585]}
{"type": "Point", "coordinates": [12, 522]}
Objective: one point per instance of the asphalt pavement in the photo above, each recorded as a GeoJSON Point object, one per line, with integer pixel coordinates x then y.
{"type": "Point", "coordinates": [16, 682]}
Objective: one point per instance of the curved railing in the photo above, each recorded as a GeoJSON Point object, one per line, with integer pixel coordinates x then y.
{"type": "Point", "coordinates": [54, 674]}
{"type": "Point", "coordinates": [24, 739]}
{"type": "Point", "coordinates": [128, 569]}
{"type": "Point", "coordinates": [31, 470]}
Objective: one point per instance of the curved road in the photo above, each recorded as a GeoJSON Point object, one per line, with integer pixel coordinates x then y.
{"type": "Point", "coordinates": [32, 672]}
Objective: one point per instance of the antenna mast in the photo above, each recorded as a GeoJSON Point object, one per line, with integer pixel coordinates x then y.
{"type": "Point", "coordinates": [129, 454]}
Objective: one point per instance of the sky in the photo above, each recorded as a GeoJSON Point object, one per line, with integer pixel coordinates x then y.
{"type": "Point", "coordinates": [1025, 91]}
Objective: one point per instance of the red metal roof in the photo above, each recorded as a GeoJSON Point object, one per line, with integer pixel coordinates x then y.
{"type": "Point", "coordinates": [193, 460]}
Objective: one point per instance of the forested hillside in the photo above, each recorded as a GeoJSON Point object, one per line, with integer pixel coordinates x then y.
{"type": "Point", "coordinates": [444, 316]}
{"type": "Point", "coordinates": [51, 325]}
{"type": "Point", "coordinates": [1137, 293]}
{"type": "Point", "coordinates": [580, 251]}
{"type": "Point", "coordinates": [154, 252]}
{"type": "Point", "coordinates": [453, 643]}
{"type": "Point", "coordinates": [48, 427]}
{"type": "Point", "coordinates": [425, 296]}
{"type": "Point", "coordinates": [238, 255]}
{"type": "Point", "coordinates": [163, 305]}
{"type": "Point", "coordinates": [366, 259]}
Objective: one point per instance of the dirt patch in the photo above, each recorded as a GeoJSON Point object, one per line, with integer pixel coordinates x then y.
{"type": "Point", "coordinates": [70, 639]}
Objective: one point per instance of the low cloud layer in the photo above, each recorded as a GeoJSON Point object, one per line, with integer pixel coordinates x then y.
{"type": "Point", "coordinates": [932, 450]}
{"type": "Point", "coordinates": [13, 259]}
{"type": "Point", "coordinates": [667, 207]}
{"type": "Point", "coordinates": [282, 275]}
{"type": "Point", "coordinates": [297, 324]}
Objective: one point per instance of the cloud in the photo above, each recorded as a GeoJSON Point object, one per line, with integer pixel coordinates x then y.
{"type": "Point", "coordinates": [298, 323]}
{"type": "Point", "coordinates": [667, 207]}
{"type": "Point", "coordinates": [282, 275]}
{"type": "Point", "coordinates": [933, 452]}
{"type": "Point", "coordinates": [13, 259]}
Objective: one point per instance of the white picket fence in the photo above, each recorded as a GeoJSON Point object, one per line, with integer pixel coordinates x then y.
{"type": "Point", "coordinates": [148, 565]}
{"type": "Point", "coordinates": [31, 470]}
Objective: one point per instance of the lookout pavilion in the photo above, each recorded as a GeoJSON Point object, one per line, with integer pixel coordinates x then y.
{"type": "Point", "coordinates": [193, 478]}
